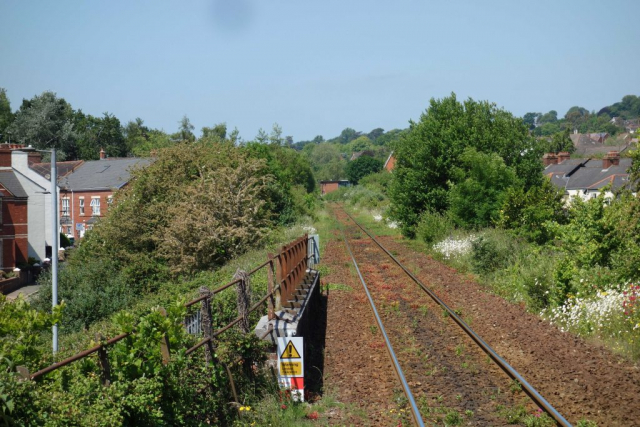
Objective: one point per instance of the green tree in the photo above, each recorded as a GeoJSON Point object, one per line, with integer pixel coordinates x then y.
{"type": "Point", "coordinates": [530, 119]}
{"type": "Point", "coordinates": [430, 150]}
{"type": "Point", "coordinates": [375, 134]}
{"type": "Point", "coordinates": [135, 133]}
{"type": "Point", "coordinates": [361, 143]}
{"type": "Point", "coordinates": [560, 141]}
{"type": "Point", "coordinates": [481, 183]}
{"type": "Point", "coordinates": [219, 131]}
{"type": "Point", "coordinates": [45, 122]}
{"type": "Point", "coordinates": [361, 167]}
{"type": "Point", "coordinates": [347, 135]}
{"type": "Point", "coordinates": [6, 115]}
{"type": "Point", "coordinates": [327, 162]}
{"type": "Point", "coordinates": [550, 117]}
{"type": "Point", "coordinates": [185, 133]}
{"type": "Point", "coordinates": [275, 138]}
{"type": "Point", "coordinates": [262, 137]}
{"type": "Point", "coordinates": [96, 133]}
{"type": "Point", "coordinates": [527, 213]}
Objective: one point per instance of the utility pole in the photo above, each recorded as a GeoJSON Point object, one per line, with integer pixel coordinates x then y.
{"type": "Point", "coordinates": [54, 242]}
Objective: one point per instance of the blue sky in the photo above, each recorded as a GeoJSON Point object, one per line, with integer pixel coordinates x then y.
{"type": "Point", "coordinates": [316, 67]}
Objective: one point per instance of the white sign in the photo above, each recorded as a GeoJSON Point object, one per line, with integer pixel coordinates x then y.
{"type": "Point", "coordinates": [291, 366]}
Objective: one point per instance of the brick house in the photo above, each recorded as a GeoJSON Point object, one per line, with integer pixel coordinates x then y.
{"type": "Point", "coordinates": [87, 192]}
{"type": "Point", "coordinates": [26, 207]}
{"type": "Point", "coordinates": [390, 164]}
{"type": "Point", "coordinates": [329, 186]}
{"type": "Point", "coordinates": [587, 178]}
{"type": "Point", "coordinates": [14, 237]}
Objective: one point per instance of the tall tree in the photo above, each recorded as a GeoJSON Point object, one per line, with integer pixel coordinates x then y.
{"type": "Point", "coordinates": [46, 121]}
{"type": "Point", "coordinates": [428, 153]}
{"type": "Point", "coordinates": [6, 115]}
{"type": "Point", "coordinates": [135, 134]}
{"type": "Point", "coordinates": [218, 131]}
{"type": "Point", "coordinates": [262, 136]}
{"type": "Point", "coordinates": [361, 167]}
{"type": "Point", "coordinates": [276, 135]}
{"type": "Point", "coordinates": [96, 133]}
{"type": "Point", "coordinates": [185, 133]}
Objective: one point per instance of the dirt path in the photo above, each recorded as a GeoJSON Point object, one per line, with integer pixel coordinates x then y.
{"type": "Point", "coordinates": [580, 380]}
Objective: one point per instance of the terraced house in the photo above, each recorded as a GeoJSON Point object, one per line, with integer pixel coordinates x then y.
{"type": "Point", "coordinates": [587, 178]}
{"type": "Point", "coordinates": [87, 192]}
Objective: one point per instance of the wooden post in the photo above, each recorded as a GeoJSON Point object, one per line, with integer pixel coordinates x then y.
{"type": "Point", "coordinates": [243, 298]}
{"type": "Point", "coordinates": [23, 373]}
{"type": "Point", "coordinates": [164, 343]}
{"type": "Point", "coordinates": [103, 360]}
{"type": "Point", "coordinates": [206, 322]}
{"type": "Point", "coordinates": [270, 287]}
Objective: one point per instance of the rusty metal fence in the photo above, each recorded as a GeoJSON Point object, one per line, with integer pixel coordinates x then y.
{"type": "Point", "coordinates": [285, 272]}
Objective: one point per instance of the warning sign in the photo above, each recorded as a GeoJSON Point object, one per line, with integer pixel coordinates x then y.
{"type": "Point", "coordinates": [291, 366]}
{"type": "Point", "coordinates": [290, 352]}
{"type": "Point", "coordinates": [291, 369]}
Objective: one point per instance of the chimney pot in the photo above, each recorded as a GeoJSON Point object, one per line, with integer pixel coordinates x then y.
{"type": "Point", "coordinates": [103, 155]}
{"type": "Point", "coordinates": [563, 155]}
{"type": "Point", "coordinates": [550, 159]}
{"type": "Point", "coordinates": [611, 159]}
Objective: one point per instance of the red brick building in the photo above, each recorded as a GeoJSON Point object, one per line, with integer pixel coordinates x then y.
{"type": "Point", "coordinates": [329, 186]}
{"type": "Point", "coordinates": [87, 192]}
{"type": "Point", "coordinates": [390, 163]}
{"type": "Point", "coordinates": [14, 246]}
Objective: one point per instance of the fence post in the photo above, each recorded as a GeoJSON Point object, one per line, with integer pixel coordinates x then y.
{"type": "Point", "coordinates": [23, 373]}
{"type": "Point", "coordinates": [279, 277]}
{"type": "Point", "coordinates": [103, 359]}
{"type": "Point", "coordinates": [271, 302]}
{"type": "Point", "coordinates": [243, 299]}
{"type": "Point", "coordinates": [164, 343]}
{"type": "Point", "coordinates": [206, 322]}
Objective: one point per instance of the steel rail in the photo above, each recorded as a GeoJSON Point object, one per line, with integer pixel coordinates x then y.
{"type": "Point", "coordinates": [415, 412]}
{"type": "Point", "coordinates": [508, 369]}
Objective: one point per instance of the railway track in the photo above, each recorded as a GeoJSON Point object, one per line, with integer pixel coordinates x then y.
{"type": "Point", "coordinates": [473, 382]}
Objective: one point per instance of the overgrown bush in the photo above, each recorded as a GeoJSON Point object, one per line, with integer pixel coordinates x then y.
{"type": "Point", "coordinates": [433, 226]}
{"type": "Point", "coordinates": [530, 213]}
{"type": "Point", "coordinates": [492, 251]}
{"type": "Point", "coordinates": [143, 391]}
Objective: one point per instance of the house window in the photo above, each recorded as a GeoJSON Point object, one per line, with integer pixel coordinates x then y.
{"type": "Point", "coordinates": [81, 203]}
{"type": "Point", "coordinates": [95, 206]}
{"type": "Point", "coordinates": [109, 200]}
{"type": "Point", "coordinates": [65, 207]}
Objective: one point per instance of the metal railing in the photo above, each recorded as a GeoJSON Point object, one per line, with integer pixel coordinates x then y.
{"type": "Point", "coordinates": [285, 272]}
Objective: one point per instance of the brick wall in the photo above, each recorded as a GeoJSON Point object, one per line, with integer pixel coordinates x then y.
{"type": "Point", "coordinates": [14, 232]}
{"type": "Point", "coordinates": [68, 223]}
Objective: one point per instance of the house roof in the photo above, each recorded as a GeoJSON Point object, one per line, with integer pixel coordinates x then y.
{"type": "Point", "coordinates": [62, 168]}
{"type": "Point", "coordinates": [10, 181]}
{"type": "Point", "coordinates": [580, 174]}
{"type": "Point", "coordinates": [592, 176]}
{"type": "Point", "coordinates": [388, 159]}
{"type": "Point", "coordinates": [106, 174]}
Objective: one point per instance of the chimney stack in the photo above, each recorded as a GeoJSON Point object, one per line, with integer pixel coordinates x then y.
{"type": "Point", "coordinates": [5, 153]}
{"type": "Point", "coordinates": [611, 159]}
{"type": "Point", "coordinates": [550, 159]}
{"type": "Point", "coordinates": [563, 155]}
{"type": "Point", "coordinates": [103, 155]}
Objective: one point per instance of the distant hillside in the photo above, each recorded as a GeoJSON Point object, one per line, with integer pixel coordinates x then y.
{"type": "Point", "coordinates": [613, 119]}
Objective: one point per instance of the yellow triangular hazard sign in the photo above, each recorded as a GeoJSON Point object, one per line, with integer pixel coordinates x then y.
{"type": "Point", "coordinates": [290, 352]}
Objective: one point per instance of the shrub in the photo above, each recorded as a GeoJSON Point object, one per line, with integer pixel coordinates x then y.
{"type": "Point", "coordinates": [433, 227]}
{"type": "Point", "coordinates": [492, 251]}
